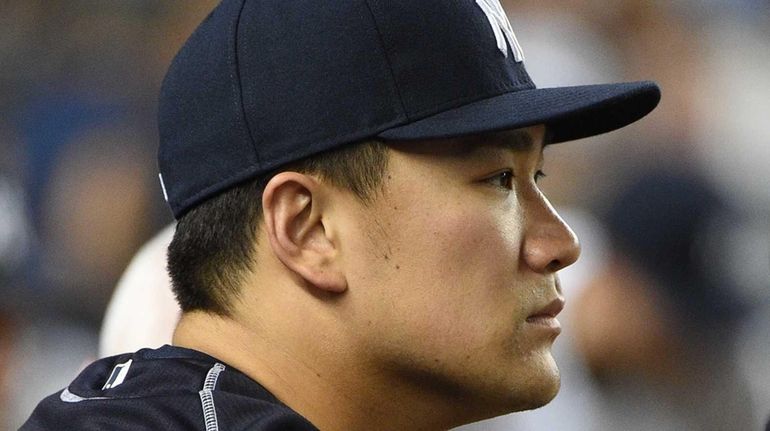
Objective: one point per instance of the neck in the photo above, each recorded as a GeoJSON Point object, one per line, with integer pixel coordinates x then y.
{"type": "Point", "coordinates": [315, 370]}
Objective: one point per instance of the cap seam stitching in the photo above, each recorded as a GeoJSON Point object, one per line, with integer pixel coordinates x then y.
{"type": "Point", "coordinates": [387, 61]}
{"type": "Point", "coordinates": [239, 83]}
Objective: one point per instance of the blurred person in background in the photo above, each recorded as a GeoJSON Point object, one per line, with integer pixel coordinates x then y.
{"type": "Point", "coordinates": [656, 326]}
{"type": "Point", "coordinates": [14, 243]}
{"type": "Point", "coordinates": [659, 329]}
{"type": "Point", "coordinates": [91, 215]}
{"type": "Point", "coordinates": [78, 192]}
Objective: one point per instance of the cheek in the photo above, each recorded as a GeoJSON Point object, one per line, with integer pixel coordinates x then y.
{"type": "Point", "coordinates": [452, 272]}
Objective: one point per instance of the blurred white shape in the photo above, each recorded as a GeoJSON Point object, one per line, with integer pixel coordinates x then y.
{"type": "Point", "coordinates": [143, 311]}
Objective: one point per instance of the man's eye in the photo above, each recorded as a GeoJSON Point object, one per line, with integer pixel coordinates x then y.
{"type": "Point", "coordinates": [503, 180]}
{"type": "Point", "coordinates": [539, 175]}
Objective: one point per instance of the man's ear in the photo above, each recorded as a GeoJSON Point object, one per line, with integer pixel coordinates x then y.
{"type": "Point", "coordinates": [292, 205]}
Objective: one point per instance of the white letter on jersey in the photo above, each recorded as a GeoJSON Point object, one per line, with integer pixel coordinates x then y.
{"type": "Point", "coordinates": [502, 28]}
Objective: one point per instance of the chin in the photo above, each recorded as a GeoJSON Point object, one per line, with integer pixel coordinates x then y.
{"type": "Point", "coordinates": [535, 386]}
{"type": "Point", "coordinates": [543, 386]}
{"type": "Point", "coordinates": [529, 393]}
{"type": "Point", "coordinates": [543, 395]}
{"type": "Point", "coordinates": [524, 388]}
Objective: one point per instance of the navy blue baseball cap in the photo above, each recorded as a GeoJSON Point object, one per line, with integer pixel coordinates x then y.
{"type": "Point", "coordinates": [262, 83]}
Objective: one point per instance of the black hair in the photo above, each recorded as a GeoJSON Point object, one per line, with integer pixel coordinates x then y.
{"type": "Point", "coordinates": [214, 243]}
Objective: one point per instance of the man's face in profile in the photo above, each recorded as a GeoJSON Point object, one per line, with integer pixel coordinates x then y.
{"type": "Point", "coordinates": [452, 271]}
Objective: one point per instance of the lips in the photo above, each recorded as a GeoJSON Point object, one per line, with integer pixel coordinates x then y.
{"type": "Point", "coordinates": [546, 316]}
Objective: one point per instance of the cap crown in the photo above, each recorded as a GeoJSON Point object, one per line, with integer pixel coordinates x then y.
{"type": "Point", "coordinates": [262, 83]}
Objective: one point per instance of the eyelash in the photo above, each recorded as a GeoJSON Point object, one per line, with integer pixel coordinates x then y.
{"type": "Point", "coordinates": [508, 177]}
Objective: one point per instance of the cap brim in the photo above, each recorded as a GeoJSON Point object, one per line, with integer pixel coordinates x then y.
{"type": "Point", "coordinates": [569, 112]}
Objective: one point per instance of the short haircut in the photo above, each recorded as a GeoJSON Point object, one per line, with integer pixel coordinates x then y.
{"type": "Point", "coordinates": [214, 243]}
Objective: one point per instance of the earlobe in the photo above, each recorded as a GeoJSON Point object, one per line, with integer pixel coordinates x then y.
{"type": "Point", "coordinates": [293, 207]}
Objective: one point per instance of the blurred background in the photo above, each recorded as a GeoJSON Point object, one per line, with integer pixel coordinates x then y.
{"type": "Point", "coordinates": [668, 319]}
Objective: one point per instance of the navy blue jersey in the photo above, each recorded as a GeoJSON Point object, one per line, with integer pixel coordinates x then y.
{"type": "Point", "coordinates": [170, 388]}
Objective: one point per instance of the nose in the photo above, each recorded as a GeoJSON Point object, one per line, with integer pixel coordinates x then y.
{"type": "Point", "coordinates": [549, 243]}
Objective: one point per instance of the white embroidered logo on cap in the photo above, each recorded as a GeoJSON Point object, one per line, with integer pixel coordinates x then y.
{"type": "Point", "coordinates": [502, 28]}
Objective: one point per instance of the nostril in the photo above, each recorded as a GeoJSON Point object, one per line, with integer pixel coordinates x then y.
{"type": "Point", "coordinates": [555, 265]}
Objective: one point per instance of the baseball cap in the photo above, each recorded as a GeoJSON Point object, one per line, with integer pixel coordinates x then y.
{"type": "Point", "coordinates": [262, 83]}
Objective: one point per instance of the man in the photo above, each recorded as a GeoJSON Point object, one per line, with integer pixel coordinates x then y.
{"type": "Point", "coordinates": [361, 241]}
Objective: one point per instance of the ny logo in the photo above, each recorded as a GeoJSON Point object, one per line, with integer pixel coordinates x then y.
{"type": "Point", "coordinates": [502, 28]}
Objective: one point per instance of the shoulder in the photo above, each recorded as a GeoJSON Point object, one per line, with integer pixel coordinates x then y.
{"type": "Point", "coordinates": [168, 388]}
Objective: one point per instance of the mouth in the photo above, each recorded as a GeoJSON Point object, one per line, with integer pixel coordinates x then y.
{"type": "Point", "coordinates": [546, 316]}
